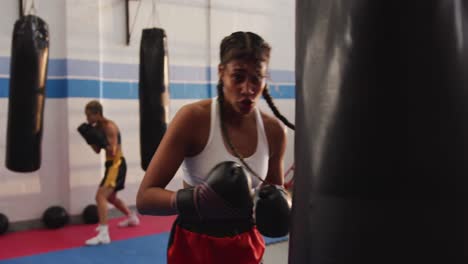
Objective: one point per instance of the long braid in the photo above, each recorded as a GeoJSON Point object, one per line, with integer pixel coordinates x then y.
{"type": "Point", "coordinates": [225, 132]}
{"type": "Point", "coordinates": [271, 104]}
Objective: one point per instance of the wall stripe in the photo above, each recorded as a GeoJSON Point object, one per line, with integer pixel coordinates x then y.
{"type": "Point", "coordinates": [129, 72]}
{"type": "Point", "coordinates": [73, 88]}
{"type": "Point", "coordinates": [92, 79]}
{"type": "Point", "coordinates": [3, 87]}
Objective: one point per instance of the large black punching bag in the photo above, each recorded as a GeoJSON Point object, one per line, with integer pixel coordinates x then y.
{"type": "Point", "coordinates": [381, 146]}
{"type": "Point", "coordinates": [153, 92]}
{"type": "Point", "coordinates": [28, 74]}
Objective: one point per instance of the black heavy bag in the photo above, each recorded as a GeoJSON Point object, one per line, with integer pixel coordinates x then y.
{"type": "Point", "coordinates": [382, 132]}
{"type": "Point", "coordinates": [153, 92]}
{"type": "Point", "coordinates": [28, 74]}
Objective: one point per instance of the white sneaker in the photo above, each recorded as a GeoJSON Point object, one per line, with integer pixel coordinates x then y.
{"type": "Point", "coordinates": [132, 220]}
{"type": "Point", "coordinates": [101, 238]}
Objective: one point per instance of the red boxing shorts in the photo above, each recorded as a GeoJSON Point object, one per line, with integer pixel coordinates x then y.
{"type": "Point", "coordinates": [188, 246]}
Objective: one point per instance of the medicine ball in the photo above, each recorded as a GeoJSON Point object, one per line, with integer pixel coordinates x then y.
{"type": "Point", "coordinates": [4, 223]}
{"type": "Point", "coordinates": [90, 214]}
{"type": "Point", "coordinates": [55, 217]}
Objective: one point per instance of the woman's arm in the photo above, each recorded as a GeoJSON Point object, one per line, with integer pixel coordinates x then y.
{"type": "Point", "coordinates": [152, 198]}
{"type": "Point", "coordinates": [277, 143]}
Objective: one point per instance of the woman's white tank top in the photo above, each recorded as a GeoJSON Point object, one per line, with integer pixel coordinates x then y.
{"type": "Point", "coordinates": [196, 168]}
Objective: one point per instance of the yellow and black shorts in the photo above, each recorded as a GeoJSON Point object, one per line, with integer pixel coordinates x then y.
{"type": "Point", "coordinates": [114, 175]}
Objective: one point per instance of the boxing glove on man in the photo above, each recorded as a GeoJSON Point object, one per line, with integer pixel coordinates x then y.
{"type": "Point", "coordinates": [92, 135]}
{"type": "Point", "coordinates": [272, 210]}
{"type": "Point", "coordinates": [226, 194]}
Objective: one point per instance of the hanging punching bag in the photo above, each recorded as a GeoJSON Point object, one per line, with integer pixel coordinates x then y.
{"type": "Point", "coordinates": [381, 143]}
{"type": "Point", "coordinates": [28, 74]}
{"type": "Point", "coordinates": [153, 92]}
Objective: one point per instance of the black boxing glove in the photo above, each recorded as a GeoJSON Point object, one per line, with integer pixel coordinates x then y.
{"type": "Point", "coordinates": [226, 194]}
{"type": "Point", "coordinates": [92, 135]}
{"type": "Point", "coordinates": [83, 129]}
{"type": "Point", "coordinates": [272, 211]}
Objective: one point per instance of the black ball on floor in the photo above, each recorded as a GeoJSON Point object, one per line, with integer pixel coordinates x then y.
{"type": "Point", "coordinates": [55, 217]}
{"type": "Point", "coordinates": [4, 223]}
{"type": "Point", "coordinates": [90, 214]}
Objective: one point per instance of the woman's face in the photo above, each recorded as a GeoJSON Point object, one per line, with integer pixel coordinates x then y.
{"type": "Point", "coordinates": [243, 83]}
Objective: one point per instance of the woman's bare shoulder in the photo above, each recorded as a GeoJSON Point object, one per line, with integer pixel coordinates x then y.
{"type": "Point", "coordinates": [194, 111]}
{"type": "Point", "coordinates": [199, 109]}
{"type": "Point", "coordinates": [191, 124]}
{"type": "Point", "coordinates": [193, 116]}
